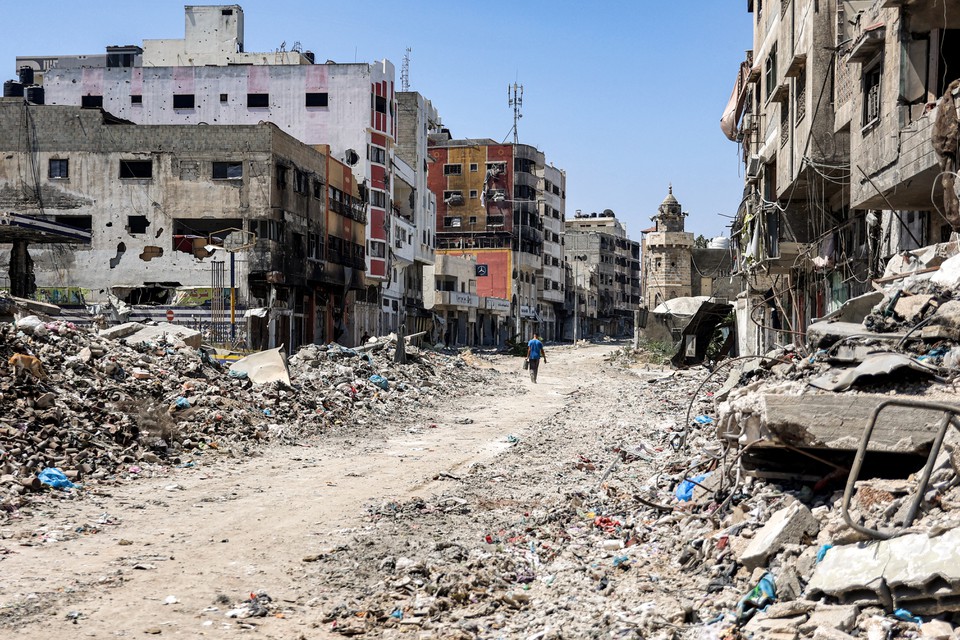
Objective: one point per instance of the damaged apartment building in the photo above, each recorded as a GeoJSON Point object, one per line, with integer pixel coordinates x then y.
{"type": "Point", "coordinates": [179, 217]}
{"type": "Point", "coordinates": [502, 206]}
{"type": "Point", "coordinates": [207, 77]}
{"type": "Point", "coordinates": [846, 114]}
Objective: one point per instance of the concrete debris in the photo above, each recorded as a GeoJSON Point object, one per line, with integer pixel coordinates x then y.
{"type": "Point", "coordinates": [108, 403]}
{"type": "Point", "coordinates": [914, 572]}
{"type": "Point", "coordinates": [789, 525]}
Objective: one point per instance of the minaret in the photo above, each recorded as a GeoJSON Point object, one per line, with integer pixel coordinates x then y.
{"type": "Point", "coordinates": [667, 263]}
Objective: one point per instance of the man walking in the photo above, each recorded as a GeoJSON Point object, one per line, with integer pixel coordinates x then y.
{"type": "Point", "coordinates": [535, 353]}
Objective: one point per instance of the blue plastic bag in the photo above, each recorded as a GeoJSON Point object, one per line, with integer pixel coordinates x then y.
{"type": "Point", "coordinates": [380, 381]}
{"type": "Point", "coordinates": [685, 488]}
{"type": "Point", "coordinates": [55, 478]}
{"type": "Point", "coordinates": [758, 598]}
{"type": "Point", "coordinates": [701, 420]}
{"type": "Point", "coordinates": [182, 403]}
{"type": "Point", "coordinates": [906, 616]}
{"type": "Point", "coordinates": [822, 552]}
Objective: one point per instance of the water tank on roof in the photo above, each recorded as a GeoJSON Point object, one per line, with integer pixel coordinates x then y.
{"type": "Point", "coordinates": [35, 94]}
{"type": "Point", "coordinates": [720, 242]}
{"type": "Point", "coordinates": [12, 89]}
{"type": "Point", "coordinates": [309, 55]}
{"type": "Point", "coordinates": [26, 76]}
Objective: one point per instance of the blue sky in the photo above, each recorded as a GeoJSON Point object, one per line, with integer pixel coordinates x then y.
{"type": "Point", "coordinates": [624, 96]}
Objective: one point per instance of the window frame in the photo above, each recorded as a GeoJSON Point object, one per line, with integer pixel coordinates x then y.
{"type": "Point", "coordinates": [188, 101]}
{"type": "Point", "coordinates": [254, 101]}
{"type": "Point", "coordinates": [225, 165]}
{"type": "Point", "coordinates": [449, 171]}
{"type": "Point", "coordinates": [131, 164]}
{"type": "Point", "coordinates": [60, 175]}
{"type": "Point", "coordinates": [315, 97]}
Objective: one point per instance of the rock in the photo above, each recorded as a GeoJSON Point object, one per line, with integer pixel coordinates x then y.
{"type": "Point", "coordinates": [842, 618]}
{"type": "Point", "coordinates": [774, 628]}
{"type": "Point", "coordinates": [936, 630]}
{"type": "Point", "coordinates": [826, 633]}
{"type": "Point", "coordinates": [787, 526]}
{"type": "Point", "coordinates": [789, 609]}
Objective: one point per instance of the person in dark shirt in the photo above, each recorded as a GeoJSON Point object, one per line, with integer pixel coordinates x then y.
{"type": "Point", "coordinates": [535, 353]}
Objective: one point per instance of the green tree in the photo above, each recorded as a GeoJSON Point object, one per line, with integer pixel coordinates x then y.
{"type": "Point", "coordinates": [700, 242]}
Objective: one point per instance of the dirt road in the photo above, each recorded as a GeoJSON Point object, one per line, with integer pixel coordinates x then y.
{"type": "Point", "coordinates": [344, 531]}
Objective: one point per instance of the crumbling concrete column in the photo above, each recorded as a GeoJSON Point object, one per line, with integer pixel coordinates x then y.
{"type": "Point", "coordinates": [23, 283]}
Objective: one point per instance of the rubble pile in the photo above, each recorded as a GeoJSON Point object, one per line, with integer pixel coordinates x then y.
{"type": "Point", "coordinates": [656, 525]}
{"type": "Point", "coordinates": [94, 404]}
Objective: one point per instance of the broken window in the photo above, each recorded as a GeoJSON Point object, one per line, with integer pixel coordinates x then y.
{"type": "Point", "coordinates": [376, 154]}
{"type": "Point", "coordinates": [317, 189]}
{"type": "Point", "coordinates": [91, 102]}
{"type": "Point", "coordinates": [452, 169]}
{"type": "Point", "coordinates": [300, 181]}
{"type": "Point", "coordinates": [268, 229]}
{"type": "Point", "coordinates": [258, 100]}
{"type": "Point", "coordinates": [474, 194]}
{"type": "Point", "coordinates": [136, 168]}
{"type": "Point", "coordinates": [378, 199]}
{"type": "Point", "coordinates": [84, 223]}
{"type": "Point", "coordinates": [770, 71]}
{"type": "Point", "coordinates": [451, 221]}
{"type": "Point", "coordinates": [281, 176]}
{"type": "Point", "coordinates": [192, 235]}
{"type": "Point", "coordinates": [378, 249]}
{"type": "Point", "coordinates": [137, 224]}
{"type": "Point", "coordinates": [223, 97]}
{"type": "Point", "coordinates": [227, 170]}
{"type": "Point", "coordinates": [315, 246]}
{"type": "Point", "coordinates": [871, 94]}
{"type": "Point", "coordinates": [379, 104]}
{"type": "Point", "coordinates": [316, 99]}
{"type": "Point", "coordinates": [136, 99]}
{"type": "Point", "coordinates": [59, 169]}
{"type": "Point", "coordinates": [183, 101]}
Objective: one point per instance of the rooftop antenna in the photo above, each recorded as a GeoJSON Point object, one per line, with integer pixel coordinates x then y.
{"type": "Point", "coordinates": [515, 100]}
{"type": "Point", "coordinates": [405, 71]}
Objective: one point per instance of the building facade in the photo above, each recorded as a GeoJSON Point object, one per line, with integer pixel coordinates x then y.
{"type": "Point", "coordinates": [179, 212]}
{"type": "Point", "coordinates": [207, 78]}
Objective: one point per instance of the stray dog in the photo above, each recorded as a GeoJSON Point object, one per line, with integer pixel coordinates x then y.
{"type": "Point", "coordinates": [21, 362]}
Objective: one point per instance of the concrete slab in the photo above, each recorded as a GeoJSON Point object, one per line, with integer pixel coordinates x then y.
{"type": "Point", "coordinates": [840, 617]}
{"type": "Point", "coordinates": [787, 526]}
{"type": "Point", "coordinates": [915, 572]}
{"type": "Point", "coordinates": [823, 334]}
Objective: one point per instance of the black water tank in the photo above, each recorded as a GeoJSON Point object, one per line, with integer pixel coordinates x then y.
{"type": "Point", "coordinates": [35, 94]}
{"type": "Point", "coordinates": [26, 76]}
{"type": "Point", "coordinates": [12, 89]}
{"type": "Point", "coordinates": [310, 56]}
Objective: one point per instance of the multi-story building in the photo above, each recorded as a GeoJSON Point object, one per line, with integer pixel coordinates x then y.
{"type": "Point", "coordinates": [450, 292]}
{"type": "Point", "coordinates": [207, 78]}
{"type": "Point", "coordinates": [173, 209]}
{"type": "Point", "coordinates": [552, 283]}
{"type": "Point", "coordinates": [488, 199]}
{"type": "Point", "coordinates": [600, 241]}
{"type": "Point", "coordinates": [835, 108]}
{"type": "Point", "coordinates": [416, 119]}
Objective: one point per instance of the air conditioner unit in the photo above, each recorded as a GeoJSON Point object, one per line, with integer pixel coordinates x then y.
{"type": "Point", "coordinates": [749, 121]}
{"type": "Point", "coordinates": [754, 163]}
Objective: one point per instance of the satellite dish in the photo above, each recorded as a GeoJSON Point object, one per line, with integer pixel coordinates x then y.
{"type": "Point", "coordinates": [351, 157]}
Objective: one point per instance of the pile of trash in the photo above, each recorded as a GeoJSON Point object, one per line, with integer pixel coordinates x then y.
{"type": "Point", "coordinates": [659, 530]}
{"type": "Point", "coordinates": [90, 404]}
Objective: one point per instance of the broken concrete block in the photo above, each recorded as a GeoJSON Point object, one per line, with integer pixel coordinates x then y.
{"type": "Point", "coordinates": [774, 628]}
{"type": "Point", "coordinates": [936, 630]}
{"type": "Point", "coordinates": [787, 526]}
{"type": "Point", "coordinates": [826, 633]}
{"type": "Point", "coordinates": [841, 617]}
{"type": "Point", "coordinates": [909, 308]}
{"type": "Point", "coordinates": [166, 331]}
{"type": "Point", "coordinates": [789, 609]}
{"type": "Point", "coordinates": [120, 331]}
{"type": "Point", "coordinates": [915, 572]}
